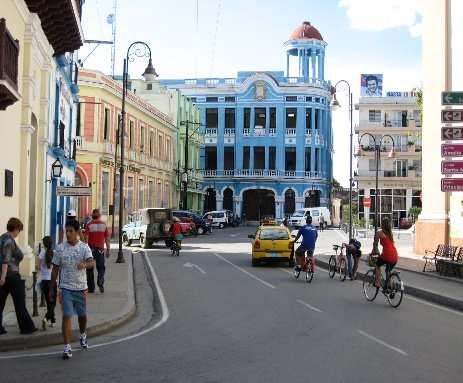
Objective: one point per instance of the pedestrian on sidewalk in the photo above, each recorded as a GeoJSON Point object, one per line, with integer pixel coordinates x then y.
{"type": "Point", "coordinates": [70, 261]}
{"type": "Point", "coordinates": [10, 279]}
{"type": "Point", "coordinates": [45, 259]}
{"type": "Point", "coordinates": [70, 216]}
{"type": "Point", "coordinates": [97, 235]}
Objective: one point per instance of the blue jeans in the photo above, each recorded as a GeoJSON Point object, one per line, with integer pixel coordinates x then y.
{"type": "Point", "coordinates": [349, 263]}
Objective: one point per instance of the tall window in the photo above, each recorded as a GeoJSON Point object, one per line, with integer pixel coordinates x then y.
{"type": "Point", "coordinates": [142, 139]}
{"type": "Point", "coordinates": [150, 193]}
{"type": "Point", "coordinates": [141, 193]}
{"type": "Point", "coordinates": [229, 158]}
{"type": "Point", "coordinates": [290, 159]}
{"type": "Point", "coordinates": [272, 157]}
{"type": "Point", "coordinates": [291, 118]}
{"type": "Point", "coordinates": [160, 145]}
{"type": "Point", "coordinates": [62, 128]}
{"type": "Point", "coordinates": [212, 118]}
{"type": "Point", "coordinates": [308, 118]}
{"type": "Point", "coordinates": [106, 124]}
{"type": "Point", "coordinates": [158, 193]}
{"type": "Point", "coordinates": [168, 148]}
{"type": "Point", "coordinates": [259, 117]}
{"type": "Point", "coordinates": [374, 115]}
{"type": "Point", "coordinates": [246, 157]}
{"type": "Point", "coordinates": [104, 192]}
{"type": "Point", "coordinates": [151, 144]}
{"type": "Point", "coordinates": [401, 168]}
{"type": "Point", "coordinates": [230, 118]}
{"type": "Point", "coordinates": [259, 157]}
{"type": "Point", "coordinates": [317, 119]}
{"type": "Point", "coordinates": [129, 203]}
{"type": "Point", "coordinates": [273, 118]}
{"type": "Point", "coordinates": [131, 134]}
{"type": "Point", "coordinates": [308, 159]}
{"type": "Point", "coordinates": [317, 164]}
{"type": "Point", "coordinates": [247, 118]}
{"type": "Point", "coordinates": [211, 157]}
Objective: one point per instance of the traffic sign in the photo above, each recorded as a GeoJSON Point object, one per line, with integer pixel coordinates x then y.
{"type": "Point", "coordinates": [454, 115]}
{"type": "Point", "coordinates": [451, 184]}
{"type": "Point", "coordinates": [452, 98]}
{"type": "Point", "coordinates": [452, 150]}
{"type": "Point", "coordinates": [366, 202]}
{"type": "Point", "coordinates": [451, 133]}
{"type": "Point", "coordinates": [452, 167]}
{"type": "Point", "coordinates": [74, 191]}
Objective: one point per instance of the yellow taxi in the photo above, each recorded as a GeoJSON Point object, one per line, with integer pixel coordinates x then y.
{"type": "Point", "coordinates": [272, 242]}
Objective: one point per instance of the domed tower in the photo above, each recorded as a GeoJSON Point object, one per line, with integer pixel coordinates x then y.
{"type": "Point", "coordinates": [307, 44]}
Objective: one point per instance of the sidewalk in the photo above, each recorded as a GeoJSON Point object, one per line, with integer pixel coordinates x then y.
{"type": "Point", "coordinates": [428, 286]}
{"type": "Point", "coordinates": [106, 311]}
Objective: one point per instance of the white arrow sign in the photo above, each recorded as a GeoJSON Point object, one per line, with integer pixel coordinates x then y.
{"type": "Point", "coordinates": [193, 266]}
{"type": "Point", "coordinates": [448, 99]}
{"type": "Point", "coordinates": [448, 134]}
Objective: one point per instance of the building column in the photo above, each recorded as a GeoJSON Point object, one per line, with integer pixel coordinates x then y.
{"type": "Point", "coordinates": [239, 138]}
{"type": "Point", "coordinates": [300, 202]}
{"type": "Point", "coordinates": [219, 201]}
{"type": "Point", "coordinates": [251, 158]}
{"type": "Point", "coordinates": [313, 63]}
{"type": "Point", "coordinates": [432, 225]}
{"type": "Point", "coordinates": [300, 140]}
{"type": "Point", "coordinates": [220, 139]}
{"type": "Point", "coordinates": [279, 205]}
{"type": "Point", "coordinates": [238, 205]}
{"type": "Point", "coordinates": [266, 157]}
{"type": "Point", "coordinates": [287, 63]}
{"type": "Point", "coordinates": [280, 139]}
{"type": "Point", "coordinates": [322, 65]}
{"type": "Point", "coordinates": [312, 142]}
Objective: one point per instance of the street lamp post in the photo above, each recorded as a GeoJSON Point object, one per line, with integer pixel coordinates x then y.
{"type": "Point", "coordinates": [141, 49]}
{"type": "Point", "coordinates": [335, 103]}
{"type": "Point", "coordinates": [378, 142]}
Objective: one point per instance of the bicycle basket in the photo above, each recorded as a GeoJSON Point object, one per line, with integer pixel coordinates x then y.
{"type": "Point", "coordinates": [372, 260]}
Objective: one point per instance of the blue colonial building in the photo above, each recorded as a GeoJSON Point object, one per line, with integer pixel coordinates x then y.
{"type": "Point", "coordinates": [268, 135]}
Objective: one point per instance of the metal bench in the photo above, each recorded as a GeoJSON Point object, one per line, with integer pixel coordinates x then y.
{"type": "Point", "coordinates": [457, 263]}
{"type": "Point", "coordinates": [444, 254]}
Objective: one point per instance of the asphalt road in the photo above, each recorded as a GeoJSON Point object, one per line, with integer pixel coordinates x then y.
{"type": "Point", "coordinates": [224, 321]}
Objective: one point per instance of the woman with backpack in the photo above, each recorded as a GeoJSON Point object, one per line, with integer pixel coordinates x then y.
{"type": "Point", "coordinates": [11, 282]}
{"type": "Point", "coordinates": [45, 258]}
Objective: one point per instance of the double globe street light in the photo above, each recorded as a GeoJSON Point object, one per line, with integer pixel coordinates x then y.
{"type": "Point", "coordinates": [140, 49]}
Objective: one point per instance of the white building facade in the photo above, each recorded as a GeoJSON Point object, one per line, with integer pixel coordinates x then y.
{"type": "Point", "coordinates": [396, 115]}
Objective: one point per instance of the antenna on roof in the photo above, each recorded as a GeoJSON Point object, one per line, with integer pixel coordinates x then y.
{"type": "Point", "coordinates": [111, 19]}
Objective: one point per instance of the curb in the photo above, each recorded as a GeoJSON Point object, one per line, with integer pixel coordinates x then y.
{"type": "Point", "coordinates": [426, 295]}
{"type": "Point", "coordinates": [24, 342]}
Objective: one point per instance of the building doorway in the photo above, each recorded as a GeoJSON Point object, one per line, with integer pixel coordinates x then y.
{"type": "Point", "coordinates": [228, 199]}
{"type": "Point", "coordinates": [258, 204]}
{"type": "Point", "coordinates": [290, 202]}
{"type": "Point", "coordinates": [210, 201]}
{"type": "Point", "coordinates": [312, 198]}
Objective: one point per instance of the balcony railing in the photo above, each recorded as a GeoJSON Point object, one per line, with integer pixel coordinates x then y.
{"type": "Point", "coordinates": [272, 132]}
{"type": "Point", "coordinates": [9, 52]}
{"type": "Point", "coordinates": [258, 173]}
{"type": "Point", "coordinates": [259, 131]}
{"type": "Point", "coordinates": [290, 132]}
{"type": "Point", "coordinates": [246, 132]}
{"type": "Point", "coordinates": [211, 132]}
{"type": "Point", "coordinates": [229, 132]}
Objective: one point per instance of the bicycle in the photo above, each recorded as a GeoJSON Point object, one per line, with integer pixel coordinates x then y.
{"type": "Point", "coordinates": [338, 263]}
{"type": "Point", "coordinates": [392, 287]}
{"type": "Point", "coordinates": [308, 269]}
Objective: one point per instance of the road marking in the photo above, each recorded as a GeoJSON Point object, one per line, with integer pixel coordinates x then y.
{"type": "Point", "coordinates": [245, 272]}
{"type": "Point", "coordinates": [164, 317]}
{"type": "Point", "coordinates": [434, 305]}
{"type": "Point", "coordinates": [193, 266]}
{"type": "Point", "coordinates": [305, 304]}
{"type": "Point", "coordinates": [387, 345]}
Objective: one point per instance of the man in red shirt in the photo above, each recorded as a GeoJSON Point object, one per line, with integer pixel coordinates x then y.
{"type": "Point", "coordinates": [176, 231]}
{"type": "Point", "coordinates": [97, 235]}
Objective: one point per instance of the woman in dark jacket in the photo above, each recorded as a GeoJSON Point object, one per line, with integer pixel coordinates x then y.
{"type": "Point", "coordinates": [10, 279]}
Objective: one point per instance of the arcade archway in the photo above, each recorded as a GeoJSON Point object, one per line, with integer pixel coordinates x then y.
{"type": "Point", "coordinates": [258, 204]}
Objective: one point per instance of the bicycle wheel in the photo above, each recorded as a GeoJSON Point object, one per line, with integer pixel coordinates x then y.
{"type": "Point", "coordinates": [332, 266]}
{"type": "Point", "coordinates": [309, 274]}
{"type": "Point", "coordinates": [395, 290]}
{"type": "Point", "coordinates": [297, 272]}
{"type": "Point", "coordinates": [369, 288]}
{"type": "Point", "coordinates": [342, 270]}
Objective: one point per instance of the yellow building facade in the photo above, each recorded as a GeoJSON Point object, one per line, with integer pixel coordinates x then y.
{"type": "Point", "coordinates": [150, 155]}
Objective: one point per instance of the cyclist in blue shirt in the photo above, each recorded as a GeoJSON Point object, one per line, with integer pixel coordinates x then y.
{"type": "Point", "coordinates": [309, 236]}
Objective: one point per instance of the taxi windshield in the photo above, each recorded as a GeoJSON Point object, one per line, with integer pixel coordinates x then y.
{"type": "Point", "coordinates": [298, 213]}
{"type": "Point", "coordinates": [274, 233]}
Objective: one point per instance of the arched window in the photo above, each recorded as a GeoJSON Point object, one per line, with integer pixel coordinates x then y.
{"type": "Point", "coordinates": [228, 199]}
{"type": "Point", "coordinates": [290, 202]}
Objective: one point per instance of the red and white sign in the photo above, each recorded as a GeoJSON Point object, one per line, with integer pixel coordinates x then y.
{"type": "Point", "coordinates": [452, 167]}
{"type": "Point", "coordinates": [366, 202]}
{"type": "Point", "coordinates": [452, 184]}
{"type": "Point", "coordinates": [452, 150]}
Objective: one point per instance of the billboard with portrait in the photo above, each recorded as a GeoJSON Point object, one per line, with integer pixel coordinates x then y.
{"type": "Point", "coordinates": [371, 85]}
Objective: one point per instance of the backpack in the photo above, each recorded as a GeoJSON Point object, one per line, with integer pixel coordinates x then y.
{"type": "Point", "coordinates": [357, 245]}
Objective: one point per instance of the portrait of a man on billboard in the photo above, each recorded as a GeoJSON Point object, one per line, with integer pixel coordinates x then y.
{"type": "Point", "coordinates": [371, 85]}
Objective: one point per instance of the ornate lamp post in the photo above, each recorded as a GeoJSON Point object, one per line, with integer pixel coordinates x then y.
{"type": "Point", "coordinates": [335, 103]}
{"type": "Point", "coordinates": [141, 49]}
{"type": "Point", "coordinates": [378, 142]}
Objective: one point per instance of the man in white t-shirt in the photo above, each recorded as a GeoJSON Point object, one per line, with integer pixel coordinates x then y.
{"type": "Point", "coordinates": [70, 261]}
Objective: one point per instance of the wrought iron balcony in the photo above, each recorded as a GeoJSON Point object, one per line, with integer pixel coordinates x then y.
{"type": "Point", "coordinates": [264, 173]}
{"type": "Point", "coordinates": [9, 52]}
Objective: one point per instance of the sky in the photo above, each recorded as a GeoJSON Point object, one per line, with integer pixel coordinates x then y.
{"type": "Point", "coordinates": [217, 38]}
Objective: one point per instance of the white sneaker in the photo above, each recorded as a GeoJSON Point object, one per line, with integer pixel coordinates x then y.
{"type": "Point", "coordinates": [83, 341]}
{"type": "Point", "coordinates": [67, 353]}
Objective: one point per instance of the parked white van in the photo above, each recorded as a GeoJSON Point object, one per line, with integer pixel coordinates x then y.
{"type": "Point", "coordinates": [299, 216]}
{"type": "Point", "coordinates": [219, 218]}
